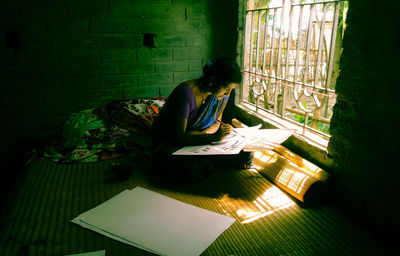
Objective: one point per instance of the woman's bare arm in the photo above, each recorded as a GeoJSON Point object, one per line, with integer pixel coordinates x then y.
{"type": "Point", "coordinates": [198, 138]}
{"type": "Point", "coordinates": [210, 130]}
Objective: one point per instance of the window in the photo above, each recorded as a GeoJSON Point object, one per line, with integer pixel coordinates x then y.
{"type": "Point", "coordinates": [291, 53]}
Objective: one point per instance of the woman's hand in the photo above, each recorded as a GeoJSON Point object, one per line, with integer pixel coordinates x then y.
{"type": "Point", "coordinates": [223, 131]}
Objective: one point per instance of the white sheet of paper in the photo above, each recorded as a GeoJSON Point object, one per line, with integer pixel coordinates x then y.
{"type": "Point", "coordinates": [96, 253]}
{"type": "Point", "coordinates": [246, 139]}
{"type": "Point", "coordinates": [246, 131]}
{"type": "Point", "coordinates": [156, 223]}
{"type": "Point", "coordinates": [82, 223]}
{"type": "Point", "coordinates": [230, 145]}
{"type": "Point", "coordinates": [266, 139]}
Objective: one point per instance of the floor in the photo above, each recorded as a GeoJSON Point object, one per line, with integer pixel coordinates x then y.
{"type": "Point", "coordinates": [268, 221]}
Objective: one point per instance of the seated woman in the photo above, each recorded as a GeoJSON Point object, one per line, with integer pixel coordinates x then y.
{"type": "Point", "coordinates": [192, 116]}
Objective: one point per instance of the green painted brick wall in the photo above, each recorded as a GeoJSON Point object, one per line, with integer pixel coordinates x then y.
{"type": "Point", "coordinates": [58, 57]}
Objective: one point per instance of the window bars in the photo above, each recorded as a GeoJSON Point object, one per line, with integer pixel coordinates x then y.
{"type": "Point", "coordinates": [291, 60]}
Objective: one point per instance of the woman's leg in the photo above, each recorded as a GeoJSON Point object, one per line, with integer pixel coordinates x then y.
{"type": "Point", "coordinates": [240, 161]}
{"type": "Point", "coordinates": [179, 168]}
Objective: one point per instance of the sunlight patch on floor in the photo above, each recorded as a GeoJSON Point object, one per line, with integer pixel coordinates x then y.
{"type": "Point", "coordinates": [271, 201]}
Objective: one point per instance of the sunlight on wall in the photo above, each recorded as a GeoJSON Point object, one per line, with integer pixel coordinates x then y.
{"type": "Point", "coordinates": [292, 179]}
{"type": "Point", "coordinates": [289, 171]}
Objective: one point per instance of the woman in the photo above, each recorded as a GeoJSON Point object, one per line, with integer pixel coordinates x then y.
{"type": "Point", "coordinates": [192, 116]}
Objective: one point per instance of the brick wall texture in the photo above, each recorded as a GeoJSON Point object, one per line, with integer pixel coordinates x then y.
{"type": "Point", "coordinates": [365, 124]}
{"type": "Point", "coordinates": [61, 56]}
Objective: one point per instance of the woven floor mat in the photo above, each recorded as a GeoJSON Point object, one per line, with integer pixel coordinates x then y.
{"type": "Point", "coordinates": [267, 222]}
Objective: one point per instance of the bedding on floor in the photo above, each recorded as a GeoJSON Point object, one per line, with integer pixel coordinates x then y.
{"type": "Point", "coordinates": [119, 128]}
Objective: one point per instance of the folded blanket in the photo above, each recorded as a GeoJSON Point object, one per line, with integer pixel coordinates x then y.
{"type": "Point", "coordinates": [119, 128]}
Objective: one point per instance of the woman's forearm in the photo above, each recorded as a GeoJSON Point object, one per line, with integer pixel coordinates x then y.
{"type": "Point", "coordinates": [194, 137]}
{"type": "Point", "coordinates": [210, 130]}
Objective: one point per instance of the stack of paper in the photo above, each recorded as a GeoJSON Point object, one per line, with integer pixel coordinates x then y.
{"type": "Point", "coordinates": [246, 139]}
{"type": "Point", "coordinates": [155, 223]}
{"type": "Point", "coordinates": [232, 144]}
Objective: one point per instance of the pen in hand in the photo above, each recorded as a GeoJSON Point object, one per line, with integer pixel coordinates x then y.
{"type": "Point", "coordinates": [224, 123]}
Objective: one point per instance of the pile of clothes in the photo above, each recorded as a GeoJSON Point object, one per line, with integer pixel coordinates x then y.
{"type": "Point", "coordinates": [120, 128]}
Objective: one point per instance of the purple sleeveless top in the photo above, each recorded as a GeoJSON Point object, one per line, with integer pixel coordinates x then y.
{"type": "Point", "coordinates": [181, 103]}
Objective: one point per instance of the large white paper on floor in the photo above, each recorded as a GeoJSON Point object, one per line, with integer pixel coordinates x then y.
{"type": "Point", "coordinates": [96, 253]}
{"type": "Point", "coordinates": [84, 224]}
{"type": "Point", "coordinates": [155, 223]}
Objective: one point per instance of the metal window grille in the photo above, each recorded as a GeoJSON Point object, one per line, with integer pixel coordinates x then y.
{"type": "Point", "coordinates": [291, 59]}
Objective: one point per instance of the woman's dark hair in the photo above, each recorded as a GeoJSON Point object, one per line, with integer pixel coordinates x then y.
{"type": "Point", "coordinates": [220, 72]}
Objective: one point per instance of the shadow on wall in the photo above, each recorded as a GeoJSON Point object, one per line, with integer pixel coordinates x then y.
{"type": "Point", "coordinates": [364, 126]}
{"type": "Point", "coordinates": [223, 22]}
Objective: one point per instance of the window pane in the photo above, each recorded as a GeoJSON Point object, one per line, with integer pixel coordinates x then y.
{"type": "Point", "coordinates": [291, 58]}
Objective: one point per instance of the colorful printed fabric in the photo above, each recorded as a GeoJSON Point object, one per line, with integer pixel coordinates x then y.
{"type": "Point", "coordinates": [118, 129]}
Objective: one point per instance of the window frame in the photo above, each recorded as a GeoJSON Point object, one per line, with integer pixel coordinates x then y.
{"type": "Point", "coordinates": [309, 134]}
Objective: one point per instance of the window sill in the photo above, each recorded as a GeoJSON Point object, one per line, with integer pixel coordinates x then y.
{"type": "Point", "coordinates": [316, 140]}
{"type": "Point", "coordinates": [309, 145]}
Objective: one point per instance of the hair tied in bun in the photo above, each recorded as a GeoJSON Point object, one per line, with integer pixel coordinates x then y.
{"type": "Point", "coordinates": [208, 65]}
